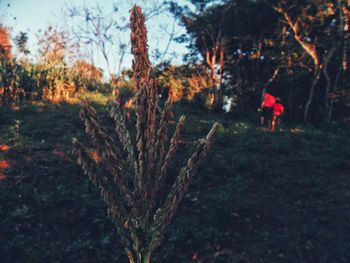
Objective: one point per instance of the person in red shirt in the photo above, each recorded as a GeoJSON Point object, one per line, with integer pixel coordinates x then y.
{"type": "Point", "coordinates": [278, 111]}
{"type": "Point", "coordinates": [267, 108]}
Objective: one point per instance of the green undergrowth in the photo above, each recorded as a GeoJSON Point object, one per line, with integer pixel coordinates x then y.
{"type": "Point", "coordinates": [258, 196]}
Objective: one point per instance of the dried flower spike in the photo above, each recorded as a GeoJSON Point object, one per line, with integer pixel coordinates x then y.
{"type": "Point", "coordinates": [130, 177]}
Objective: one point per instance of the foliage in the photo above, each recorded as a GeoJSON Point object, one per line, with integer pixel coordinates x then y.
{"type": "Point", "coordinates": [53, 47]}
{"type": "Point", "coordinates": [183, 82]}
{"type": "Point", "coordinates": [305, 43]}
{"type": "Point", "coordinates": [26, 81]}
{"type": "Point", "coordinates": [21, 43]}
{"type": "Point", "coordinates": [5, 46]}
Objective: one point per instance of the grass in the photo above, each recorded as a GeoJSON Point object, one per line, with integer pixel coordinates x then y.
{"type": "Point", "coordinates": [262, 197]}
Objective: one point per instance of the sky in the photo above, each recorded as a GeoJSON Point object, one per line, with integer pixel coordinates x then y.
{"type": "Point", "coordinates": [31, 16]}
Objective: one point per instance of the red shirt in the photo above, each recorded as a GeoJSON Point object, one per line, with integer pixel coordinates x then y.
{"type": "Point", "coordinates": [278, 109]}
{"type": "Point", "coordinates": [269, 100]}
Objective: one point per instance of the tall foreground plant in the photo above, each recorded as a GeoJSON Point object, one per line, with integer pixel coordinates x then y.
{"type": "Point", "coordinates": [130, 177]}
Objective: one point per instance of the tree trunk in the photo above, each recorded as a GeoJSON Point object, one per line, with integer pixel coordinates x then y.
{"type": "Point", "coordinates": [211, 58]}
{"type": "Point", "coordinates": [330, 110]}
{"type": "Point", "coordinates": [213, 83]}
{"type": "Point", "coordinates": [345, 32]}
{"type": "Point", "coordinates": [217, 97]}
{"type": "Point", "coordinates": [311, 93]}
{"type": "Point", "coordinates": [218, 100]}
{"type": "Point", "coordinates": [274, 76]}
{"type": "Point", "coordinates": [336, 85]}
{"type": "Point", "coordinates": [217, 94]}
{"type": "Point", "coordinates": [329, 83]}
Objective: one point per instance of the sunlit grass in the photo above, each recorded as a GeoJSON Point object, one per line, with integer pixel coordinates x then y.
{"type": "Point", "coordinates": [97, 98]}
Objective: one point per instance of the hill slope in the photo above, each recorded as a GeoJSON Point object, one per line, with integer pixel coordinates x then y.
{"type": "Point", "coordinates": [259, 197]}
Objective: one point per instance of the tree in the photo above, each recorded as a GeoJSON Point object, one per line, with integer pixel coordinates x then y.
{"type": "Point", "coordinates": [53, 47]}
{"type": "Point", "coordinates": [341, 47]}
{"type": "Point", "coordinates": [208, 37]}
{"type": "Point", "coordinates": [5, 46]}
{"type": "Point", "coordinates": [318, 27]}
{"type": "Point", "coordinates": [183, 82]}
{"type": "Point", "coordinates": [300, 35]}
{"type": "Point", "coordinates": [86, 70]}
{"type": "Point", "coordinates": [21, 41]}
{"type": "Point", "coordinates": [263, 37]}
{"type": "Point", "coordinates": [230, 37]}
{"type": "Point", "coordinates": [94, 29]}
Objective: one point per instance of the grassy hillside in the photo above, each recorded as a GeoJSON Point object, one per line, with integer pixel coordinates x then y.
{"type": "Point", "coordinates": [259, 196]}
